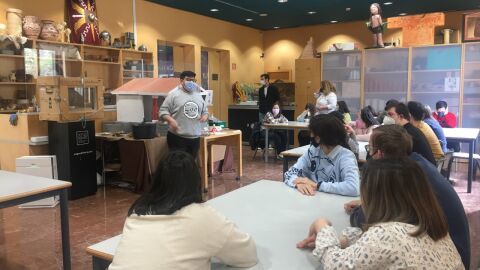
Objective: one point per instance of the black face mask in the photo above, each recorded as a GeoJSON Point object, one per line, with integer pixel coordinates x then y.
{"type": "Point", "coordinates": [313, 142]}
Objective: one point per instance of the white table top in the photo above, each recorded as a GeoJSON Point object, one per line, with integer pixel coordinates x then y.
{"type": "Point", "coordinates": [15, 185]}
{"type": "Point", "coordinates": [461, 133]}
{"type": "Point", "coordinates": [276, 216]}
{"type": "Point", "coordinates": [299, 151]}
{"type": "Point", "coordinates": [290, 124]}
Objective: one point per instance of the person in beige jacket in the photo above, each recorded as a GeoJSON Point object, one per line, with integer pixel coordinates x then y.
{"type": "Point", "coordinates": [170, 228]}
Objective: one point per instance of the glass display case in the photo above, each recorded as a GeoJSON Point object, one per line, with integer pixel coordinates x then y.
{"type": "Point", "coordinates": [17, 77]}
{"type": "Point", "coordinates": [436, 75]}
{"type": "Point", "coordinates": [344, 70]}
{"type": "Point", "coordinates": [386, 76]}
{"type": "Point", "coordinates": [471, 86]}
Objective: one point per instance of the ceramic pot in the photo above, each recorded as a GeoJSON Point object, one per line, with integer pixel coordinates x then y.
{"type": "Point", "coordinates": [49, 32]}
{"type": "Point", "coordinates": [14, 22]}
{"type": "Point", "coordinates": [31, 26]}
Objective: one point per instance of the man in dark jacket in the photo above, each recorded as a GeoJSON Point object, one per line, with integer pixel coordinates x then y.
{"type": "Point", "coordinates": [393, 141]}
{"type": "Point", "coordinates": [399, 112]}
{"type": "Point", "coordinates": [267, 96]}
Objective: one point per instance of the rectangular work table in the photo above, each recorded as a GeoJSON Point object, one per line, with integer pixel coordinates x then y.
{"type": "Point", "coordinates": [275, 215]}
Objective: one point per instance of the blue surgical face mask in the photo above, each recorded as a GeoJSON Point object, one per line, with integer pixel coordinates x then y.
{"type": "Point", "coordinates": [190, 86]}
{"type": "Point", "coordinates": [441, 114]}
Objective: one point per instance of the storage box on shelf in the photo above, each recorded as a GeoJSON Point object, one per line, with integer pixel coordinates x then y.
{"type": "Point", "coordinates": [386, 76]}
{"type": "Point", "coordinates": [343, 68]}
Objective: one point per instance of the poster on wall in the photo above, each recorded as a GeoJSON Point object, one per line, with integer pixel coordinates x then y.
{"type": "Point", "coordinates": [83, 20]}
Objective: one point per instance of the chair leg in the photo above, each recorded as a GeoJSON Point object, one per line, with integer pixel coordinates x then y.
{"type": "Point", "coordinates": [255, 154]}
{"type": "Point", "coordinates": [449, 167]}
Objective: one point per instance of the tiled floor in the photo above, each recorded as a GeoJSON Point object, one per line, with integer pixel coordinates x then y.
{"type": "Point", "coordinates": [30, 239]}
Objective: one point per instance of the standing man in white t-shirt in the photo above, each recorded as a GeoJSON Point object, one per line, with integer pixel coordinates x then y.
{"type": "Point", "coordinates": [185, 111]}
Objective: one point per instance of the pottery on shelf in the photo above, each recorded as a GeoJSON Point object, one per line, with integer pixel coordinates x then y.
{"type": "Point", "coordinates": [49, 31]}
{"type": "Point", "coordinates": [14, 22]}
{"type": "Point", "coordinates": [32, 26]}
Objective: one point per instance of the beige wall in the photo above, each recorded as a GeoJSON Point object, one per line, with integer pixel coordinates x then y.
{"type": "Point", "coordinates": [283, 46]}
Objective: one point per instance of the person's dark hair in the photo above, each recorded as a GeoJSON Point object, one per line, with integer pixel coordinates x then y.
{"type": "Point", "coordinates": [417, 110]}
{"type": "Point", "coordinates": [402, 110]}
{"type": "Point", "coordinates": [390, 104]}
{"type": "Point", "coordinates": [338, 115]}
{"type": "Point", "coordinates": [265, 76]}
{"type": "Point", "coordinates": [311, 108]}
{"type": "Point", "coordinates": [177, 184]}
{"type": "Point", "coordinates": [397, 190]}
{"type": "Point", "coordinates": [187, 73]}
{"type": "Point", "coordinates": [393, 140]}
{"type": "Point", "coordinates": [427, 112]}
{"type": "Point", "coordinates": [330, 129]}
{"type": "Point", "coordinates": [367, 117]}
{"type": "Point", "coordinates": [372, 110]}
{"type": "Point", "coordinates": [342, 107]}
{"type": "Point", "coordinates": [441, 104]}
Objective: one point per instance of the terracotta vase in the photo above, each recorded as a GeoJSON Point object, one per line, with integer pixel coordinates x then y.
{"type": "Point", "coordinates": [49, 32]}
{"type": "Point", "coordinates": [31, 26]}
{"type": "Point", "coordinates": [14, 22]}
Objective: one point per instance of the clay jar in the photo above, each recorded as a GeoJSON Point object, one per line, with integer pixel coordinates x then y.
{"type": "Point", "coordinates": [14, 22]}
{"type": "Point", "coordinates": [49, 32]}
{"type": "Point", "coordinates": [31, 26]}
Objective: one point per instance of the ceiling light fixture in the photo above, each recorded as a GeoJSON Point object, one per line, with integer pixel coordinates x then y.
{"type": "Point", "coordinates": [388, 3]}
{"type": "Point", "coordinates": [348, 9]}
{"type": "Point", "coordinates": [248, 20]}
{"type": "Point", "coordinates": [402, 14]}
{"type": "Point", "coordinates": [333, 21]}
{"type": "Point", "coordinates": [263, 14]}
{"type": "Point", "coordinates": [311, 12]}
{"type": "Point", "coordinates": [214, 10]}
{"type": "Point", "coordinates": [282, 1]}
{"type": "Point", "coordinates": [276, 27]}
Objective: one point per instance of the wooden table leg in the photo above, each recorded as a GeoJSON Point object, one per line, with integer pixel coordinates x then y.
{"type": "Point", "coordinates": [239, 157]}
{"type": "Point", "coordinates": [203, 156]}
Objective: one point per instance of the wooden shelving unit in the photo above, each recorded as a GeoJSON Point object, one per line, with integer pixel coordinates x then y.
{"type": "Point", "coordinates": [72, 60]}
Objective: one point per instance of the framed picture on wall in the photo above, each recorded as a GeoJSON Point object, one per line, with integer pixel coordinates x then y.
{"type": "Point", "coordinates": [471, 27]}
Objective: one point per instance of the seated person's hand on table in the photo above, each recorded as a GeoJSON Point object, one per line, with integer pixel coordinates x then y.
{"type": "Point", "coordinates": [305, 186]}
{"type": "Point", "coordinates": [204, 118]}
{"type": "Point", "coordinates": [316, 226]}
{"type": "Point", "coordinates": [349, 206]}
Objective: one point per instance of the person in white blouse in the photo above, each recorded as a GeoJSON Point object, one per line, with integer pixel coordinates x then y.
{"type": "Point", "coordinates": [170, 228]}
{"type": "Point", "coordinates": [326, 98]}
{"type": "Point", "coordinates": [405, 228]}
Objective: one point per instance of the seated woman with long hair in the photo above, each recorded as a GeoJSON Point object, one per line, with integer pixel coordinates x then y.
{"type": "Point", "coordinates": [279, 137]}
{"type": "Point", "coordinates": [405, 228]}
{"type": "Point", "coordinates": [170, 227]}
{"type": "Point", "coordinates": [364, 125]}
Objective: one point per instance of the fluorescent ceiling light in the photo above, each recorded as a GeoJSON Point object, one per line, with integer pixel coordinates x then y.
{"type": "Point", "coordinates": [333, 21]}
{"type": "Point", "coordinates": [276, 27]}
{"type": "Point", "coordinates": [214, 10]}
{"type": "Point", "coordinates": [282, 1]}
{"type": "Point", "coordinates": [311, 12]}
{"type": "Point", "coordinates": [388, 3]}
{"type": "Point", "coordinates": [248, 20]}
{"type": "Point", "coordinates": [263, 14]}
{"type": "Point", "coordinates": [402, 14]}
